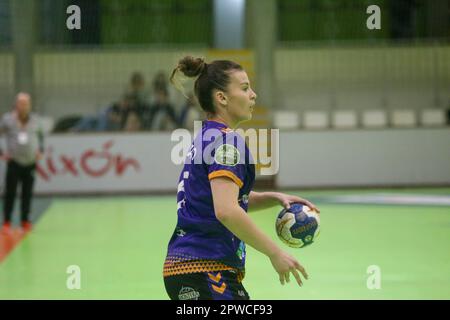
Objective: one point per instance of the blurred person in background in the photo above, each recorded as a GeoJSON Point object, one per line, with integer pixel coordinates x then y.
{"type": "Point", "coordinates": [24, 140]}
{"type": "Point", "coordinates": [189, 113]}
{"type": "Point", "coordinates": [112, 118]}
{"type": "Point", "coordinates": [160, 82]}
{"type": "Point", "coordinates": [136, 88]}
{"type": "Point", "coordinates": [133, 122]}
{"type": "Point", "coordinates": [162, 115]}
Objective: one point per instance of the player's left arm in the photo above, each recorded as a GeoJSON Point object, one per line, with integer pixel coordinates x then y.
{"type": "Point", "coordinates": [264, 200]}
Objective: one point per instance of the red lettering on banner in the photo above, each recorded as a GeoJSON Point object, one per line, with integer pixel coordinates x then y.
{"type": "Point", "coordinates": [122, 164]}
{"type": "Point", "coordinates": [92, 154]}
{"type": "Point", "coordinates": [50, 164]}
{"type": "Point", "coordinates": [88, 163]}
{"type": "Point", "coordinates": [69, 165]}
{"type": "Point", "coordinates": [41, 172]}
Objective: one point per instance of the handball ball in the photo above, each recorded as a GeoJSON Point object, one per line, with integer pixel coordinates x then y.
{"type": "Point", "coordinates": [298, 226]}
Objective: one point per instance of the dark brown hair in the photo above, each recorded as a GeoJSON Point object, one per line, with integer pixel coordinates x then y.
{"type": "Point", "coordinates": [214, 75]}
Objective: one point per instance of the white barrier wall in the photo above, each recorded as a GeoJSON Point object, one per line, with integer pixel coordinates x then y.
{"type": "Point", "coordinates": [106, 163]}
{"type": "Point", "coordinates": [125, 163]}
{"type": "Point", "coordinates": [364, 158]}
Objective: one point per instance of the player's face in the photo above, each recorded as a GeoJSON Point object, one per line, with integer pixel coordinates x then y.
{"type": "Point", "coordinates": [240, 97]}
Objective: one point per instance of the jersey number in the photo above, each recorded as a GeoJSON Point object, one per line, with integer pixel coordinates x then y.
{"type": "Point", "coordinates": [180, 203]}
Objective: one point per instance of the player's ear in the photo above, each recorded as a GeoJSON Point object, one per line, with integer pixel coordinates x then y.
{"type": "Point", "coordinates": [221, 98]}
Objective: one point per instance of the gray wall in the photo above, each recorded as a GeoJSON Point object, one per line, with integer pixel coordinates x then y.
{"type": "Point", "coordinates": [356, 78]}
{"type": "Point", "coordinates": [399, 157]}
{"type": "Point", "coordinates": [306, 78]}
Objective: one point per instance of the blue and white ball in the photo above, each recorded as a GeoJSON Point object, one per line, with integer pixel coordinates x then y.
{"type": "Point", "coordinates": [298, 226]}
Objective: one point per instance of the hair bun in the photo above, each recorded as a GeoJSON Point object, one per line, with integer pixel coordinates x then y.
{"type": "Point", "coordinates": [191, 67]}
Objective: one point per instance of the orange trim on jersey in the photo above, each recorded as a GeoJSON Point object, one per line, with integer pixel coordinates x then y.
{"type": "Point", "coordinates": [173, 267]}
{"type": "Point", "coordinates": [226, 130]}
{"type": "Point", "coordinates": [220, 289]}
{"type": "Point", "coordinates": [228, 174]}
{"type": "Point", "coordinates": [215, 278]}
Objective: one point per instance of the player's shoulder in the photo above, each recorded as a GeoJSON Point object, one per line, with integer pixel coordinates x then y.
{"type": "Point", "coordinates": [218, 133]}
{"type": "Point", "coordinates": [226, 130]}
{"type": "Point", "coordinates": [229, 136]}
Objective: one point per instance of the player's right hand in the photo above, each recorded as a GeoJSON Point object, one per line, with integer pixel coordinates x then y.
{"type": "Point", "coordinates": [285, 264]}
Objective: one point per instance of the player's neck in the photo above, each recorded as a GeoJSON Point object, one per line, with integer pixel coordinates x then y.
{"type": "Point", "coordinates": [228, 122]}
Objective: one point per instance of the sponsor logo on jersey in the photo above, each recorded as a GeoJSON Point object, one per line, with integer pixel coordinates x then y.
{"type": "Point", "coordinates": [188, 293]}
{"type": "Point", "coordinates": [227, 155]}
{"type": "Point", "coordinates": [181, 232]}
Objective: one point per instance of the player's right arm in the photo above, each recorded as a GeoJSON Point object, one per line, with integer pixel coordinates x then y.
{"type": "Point", "coordinates": [264, 200]}
{"type": "Point", "coordinates": [226, 207]}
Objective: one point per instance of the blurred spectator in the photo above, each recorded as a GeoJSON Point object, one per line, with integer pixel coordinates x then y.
{"type": "Point", "coordinates": [133, 122]}
{"type": "Point", "coordinates": [189, 113]}
{"type": "Point", "coordinates": [160, 82]}
{"type": "Point", "coordinates": [112, 118]}
{"type": "Point", "coordinates": [66, 123]}
{"type": "Point", "coordinates": [136, 88]}
{"type": "Point", "coordinates": [86, 123]}
{"type": "Point", "coordinates": [162, 114]}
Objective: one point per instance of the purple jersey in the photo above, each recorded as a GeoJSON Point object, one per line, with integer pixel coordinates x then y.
{"type": "Point", "coordinates": [200, 242]}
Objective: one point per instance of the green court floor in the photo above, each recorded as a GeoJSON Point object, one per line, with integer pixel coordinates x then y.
{"type": "Point", "coordinates": [119, 244]}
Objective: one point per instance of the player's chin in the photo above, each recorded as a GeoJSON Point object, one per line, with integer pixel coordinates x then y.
{"type": "Point", "coordinates": [246, 117]}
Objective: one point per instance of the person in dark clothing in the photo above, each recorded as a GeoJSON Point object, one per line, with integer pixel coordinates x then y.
{"type": "Point", "coordinates": [24, 141]}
